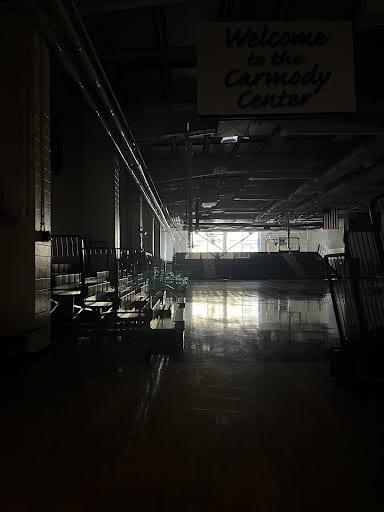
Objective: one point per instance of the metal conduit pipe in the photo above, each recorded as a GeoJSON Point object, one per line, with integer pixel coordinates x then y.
{"type": "Point", "coordinates": [86, 62]}
{"type": "Point", "coordinates": [105, 77]}
{"type": "Point", "coordinates": [54, 38]}
{"type": "Point", "coordinates": [96, 58]}
{"type": "Point", "coordinates": [72, 70]}
{"type": "Point", "coordinates": [128, 129]}
{"type": "Point", "coordinates": [266, 228]}
{"type": "Point", "coordinates": [75, 39]}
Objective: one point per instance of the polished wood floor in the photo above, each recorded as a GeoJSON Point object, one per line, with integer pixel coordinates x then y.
{"type": "Point", "coordinates": [245, 419]}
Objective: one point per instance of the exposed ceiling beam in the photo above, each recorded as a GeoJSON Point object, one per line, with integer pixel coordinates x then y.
{"type": "Point", "coordinates": [353, 187]}
{"type": "Point", "coordinates": [354, 124]}
{"type": "Point", "coordinates": [257, 226]}
{"type": "Point", "coordinates": [166, 168]}
{"type": "Point", "coordinates": [254, 176]}
{"type": "Point", "coordinates": [365, 154]}
{"type": "Point", "coordinates": [333, 127]}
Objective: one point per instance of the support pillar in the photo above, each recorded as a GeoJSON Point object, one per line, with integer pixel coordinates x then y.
{"type": "Point", "coordinates": [141, 222]}
{"type": "Point", "coordinates": [147, 229]}
{"type": "Point", "coordinates": [156, 239]}
{"type": "Point", "coordinates": [131, 226]}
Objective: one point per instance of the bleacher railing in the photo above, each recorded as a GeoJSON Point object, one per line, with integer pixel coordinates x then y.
{"type": "Point", "coordinates": [68, 258]}
{"type": "Point", "coordinates": [363, 256]}
{"type": "Point", "coordinates": [343, 292]}
{"type": "Point", "coordinates": [377, 218]}
{"type": "Point", "coordinates": [68, 249]}
{"type": "Point", "coordinates": [118, 273]}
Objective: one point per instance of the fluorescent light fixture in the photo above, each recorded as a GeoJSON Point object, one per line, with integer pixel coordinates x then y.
{"type": "Point", "coordinates": [219, 170]}
{"type": "Point", "coordinates": [230, 140]}
{"type": "Point", "coordinates": [253, 199]}
{"type": "Point", "coordinates": [209, 204]}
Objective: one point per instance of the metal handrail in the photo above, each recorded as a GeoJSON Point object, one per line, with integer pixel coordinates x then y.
{"type": "Point", "coordinates": [343, 297]}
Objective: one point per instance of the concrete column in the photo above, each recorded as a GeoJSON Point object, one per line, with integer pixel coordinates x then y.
{"type": "Point", "coordinates": [117, 222]}
{"type": "Point", "coordinates": [163, 244]}
{"type": "Point", "coordinates": [132, 217]}
{"type": "Point", "coordinates": [167, 246]}
{"type": "Point", "coordinates": [25, 184]}
{"type": "Point", "coordinates": [156, 239]}
{"type": "Point", "coordinates": [147, 229]}
{"type": "Point", "coordinates": [123, 208]}
{"type": "Point", "coordinates": [141, 222]}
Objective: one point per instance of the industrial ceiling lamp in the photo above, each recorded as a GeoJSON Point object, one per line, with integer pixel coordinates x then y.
{"type": "Point", "coordinates": [233, 139]}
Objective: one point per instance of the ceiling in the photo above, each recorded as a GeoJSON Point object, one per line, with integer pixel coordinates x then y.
{"type": "Point", "coordinates": [278, 168]}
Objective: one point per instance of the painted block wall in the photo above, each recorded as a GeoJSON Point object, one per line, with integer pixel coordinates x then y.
{"type": "Point", "coordinates": [25, 182]}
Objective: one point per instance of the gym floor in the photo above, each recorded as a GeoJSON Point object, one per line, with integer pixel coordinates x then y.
{"type": "Point", "coordinates": [246, 418]}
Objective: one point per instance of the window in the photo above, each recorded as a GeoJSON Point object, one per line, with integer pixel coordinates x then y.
{"type": "Point", "coordinates": [231, 241]}
{"type": "Point", "coordinates": [208, 242]}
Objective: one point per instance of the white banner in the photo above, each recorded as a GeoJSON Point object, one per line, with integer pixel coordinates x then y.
{"type": "Point", "coordinates": [275, 68]}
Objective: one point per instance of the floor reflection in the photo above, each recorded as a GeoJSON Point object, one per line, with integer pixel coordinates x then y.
{"type": "Point", "coordinates": [264, 320]}
{"type": "Point", "coordinates": [112, 418]}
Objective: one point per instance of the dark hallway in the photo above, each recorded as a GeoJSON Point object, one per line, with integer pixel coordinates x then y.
{"type": "Point", "coordinates": [191, 255]}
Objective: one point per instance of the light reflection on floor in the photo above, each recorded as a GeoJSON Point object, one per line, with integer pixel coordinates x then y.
{"type": "Point", "coordinates": [246, 420]}
{"type": "Point", "coordinates": [260, 319]}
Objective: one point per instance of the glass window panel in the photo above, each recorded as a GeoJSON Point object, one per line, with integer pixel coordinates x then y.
{"type": "Point", "coordinates": [231, 241]}
{"type": "Point", "coordinates": [199, 244]}
{"type": "Point", "coordinates": [215, 242]}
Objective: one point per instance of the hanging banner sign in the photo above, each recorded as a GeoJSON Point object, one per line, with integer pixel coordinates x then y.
{"type": "Point", "coordinates": [275, 68]}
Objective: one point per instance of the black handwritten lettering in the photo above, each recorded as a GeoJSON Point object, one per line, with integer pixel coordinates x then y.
{"type": "Point", "coordinates": [229, 79]}
{"type": "Point", "coordinates": [248, 99]}
{"type": "Point", "coordinates": [315, 77]}
{"type": "Point", "coordinates": [280, 59]}
{"type": "Point", "coordinates": [238, 38]}
{"type": "Point", "coordinates": [266, 38]}
{"type": "Point", "coordinates": [285, 83]}
{"type": "Point", "coordinates": [256, 60]}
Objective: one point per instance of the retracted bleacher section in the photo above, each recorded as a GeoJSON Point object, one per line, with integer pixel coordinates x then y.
{"type": "Point", "coordinates": [377, 219]}
{"type": "Point", "coordinates": [193, 269]}
{"type": "Point", "coordinates": [312, 263]}
{"type": "Point", "coordinates": [67, 274]}
{"type": "Point", "coordinates": [356, 280]}
{"type": "Point", "coordinates": [121, 288]}
{"type": "Point", "coordinates": [257, 267]}
{"type": "Point", "coordinates": [254, 266]}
